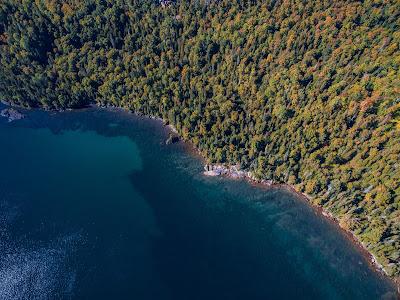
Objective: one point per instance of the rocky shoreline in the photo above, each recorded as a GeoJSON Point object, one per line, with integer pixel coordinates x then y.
{"type": "Point", "coordinates": [234, 172]}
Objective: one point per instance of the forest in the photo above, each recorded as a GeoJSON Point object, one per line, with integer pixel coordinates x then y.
{"type": "Point", "coordinates": [299, 92]}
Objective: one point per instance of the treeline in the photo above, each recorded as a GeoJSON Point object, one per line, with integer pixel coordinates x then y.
{"type": "Point", "coordinates": [301, 92]}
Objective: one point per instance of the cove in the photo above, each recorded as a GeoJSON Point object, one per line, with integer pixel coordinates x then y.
{"type": "Point", "coordinates": [94, 205]}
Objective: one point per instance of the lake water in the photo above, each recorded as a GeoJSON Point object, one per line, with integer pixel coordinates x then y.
{"type": "Point", "coordinates": [94, 205]}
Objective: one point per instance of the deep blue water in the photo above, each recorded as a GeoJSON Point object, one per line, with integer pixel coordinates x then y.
{"type": "Point", "coordinates": [94, 205]}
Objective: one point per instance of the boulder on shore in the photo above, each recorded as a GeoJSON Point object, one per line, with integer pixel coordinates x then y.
{"type": "Point", "coordinates": [172, 139]}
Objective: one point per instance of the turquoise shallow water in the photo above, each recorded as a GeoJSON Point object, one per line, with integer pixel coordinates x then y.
{"type": "Point", "coordinates": [93, 205]}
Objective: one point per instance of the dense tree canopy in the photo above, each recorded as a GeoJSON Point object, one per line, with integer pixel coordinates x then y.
{"type": "Point", "coordinates": [301, 92]}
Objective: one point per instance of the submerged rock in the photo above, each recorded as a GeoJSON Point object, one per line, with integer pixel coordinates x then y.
{"type": "Point", "coordinates": [11, 114]}
{"type": "Point", "coordinates": [172, 139]}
